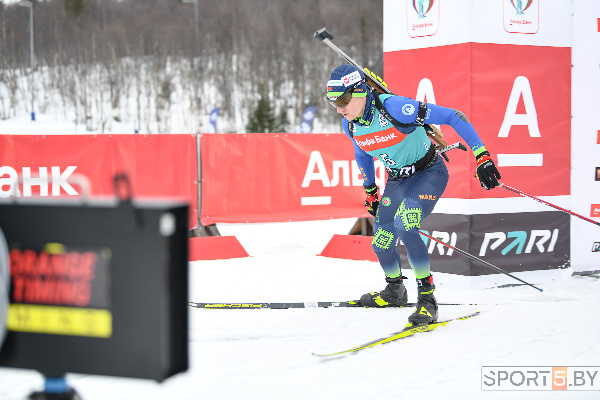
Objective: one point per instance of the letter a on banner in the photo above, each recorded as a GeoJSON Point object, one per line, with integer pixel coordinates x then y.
{"type": "Point", "coordinates": [521, 88]}
{"type": "Point", "coordinates": [315, 171]}
{"type": "Point", "coordinates": [425, 91]}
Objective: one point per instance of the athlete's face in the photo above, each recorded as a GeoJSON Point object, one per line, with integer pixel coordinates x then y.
{"type": "Point", "coordinates": [354, 109]}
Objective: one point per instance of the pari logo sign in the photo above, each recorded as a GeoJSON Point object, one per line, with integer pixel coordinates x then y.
{"type": "Point", "coordinates": [521, 16]}
{"type": "Point", "coordinates": [422, 17]}
{"type": "Point", "coordinates": [434, 247]}
{"type": "Point", "coordinates": [446, 237]}
{"type": "Point", "coordinates": [520, 242]}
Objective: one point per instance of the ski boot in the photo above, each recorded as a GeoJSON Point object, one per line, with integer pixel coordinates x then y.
{"type": "Point", "coordinates": [394, 295]}
{"type": "Point", "coordinates": [427, 306]}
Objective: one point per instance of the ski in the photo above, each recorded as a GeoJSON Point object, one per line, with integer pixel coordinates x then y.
{"type": "Point", "coordinates": [406, 332]}
{"type": "Point", "coordinates": [277, 306]}
{"type": "Point", "coordinates": [310, 304]}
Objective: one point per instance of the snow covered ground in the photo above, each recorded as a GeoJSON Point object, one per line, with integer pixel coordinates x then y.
{"type": "Point", "coordinates": [266, 354]}
{"type": "Point", "coordinates": [45, 124]}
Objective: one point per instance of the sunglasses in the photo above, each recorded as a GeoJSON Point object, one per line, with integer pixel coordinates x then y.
{"type": "Point", "coordinates": [344, 98]}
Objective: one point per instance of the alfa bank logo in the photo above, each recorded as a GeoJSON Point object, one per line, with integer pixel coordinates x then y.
{"type": "Point", "coordinates": [423, 17]}
{"type": "Point", "coordinates": [48, 180]}
{"type": "Point", "coordinates": [595, 213]}
{"type": "Point", "coordinates": [521, 16]}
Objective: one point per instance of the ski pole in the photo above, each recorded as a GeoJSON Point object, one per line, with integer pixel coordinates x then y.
{"type": "Point", "coordinates": [487, 264]}
{"type": "Point", "coordinates": [512, 189]}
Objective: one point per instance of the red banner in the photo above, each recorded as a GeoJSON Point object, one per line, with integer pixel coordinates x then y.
{"type": "Point", "coordinates": [279, 177]}
{"type": "Point", "coordinates": [157, 165]}
{"type": "Point", "coordinates": [298, 177]}
{"type": "Point", "coordinates": [517, 97]}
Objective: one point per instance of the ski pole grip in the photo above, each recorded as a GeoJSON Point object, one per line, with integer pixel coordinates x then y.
{"type": "Point", "coordinates": [323, 34]}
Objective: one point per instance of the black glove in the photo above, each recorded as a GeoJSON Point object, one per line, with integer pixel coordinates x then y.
{"type": "Point", "coordinates": [371, 202]}
{"type": "Point", "coordinates": [487, 172]}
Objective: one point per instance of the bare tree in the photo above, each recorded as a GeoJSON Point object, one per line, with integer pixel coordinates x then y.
{"type": "Point", "coordinates": [113, 60]}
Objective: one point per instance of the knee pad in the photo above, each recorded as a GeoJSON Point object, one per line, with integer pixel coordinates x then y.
{"type": "Point", "coordinates": [407, 217]}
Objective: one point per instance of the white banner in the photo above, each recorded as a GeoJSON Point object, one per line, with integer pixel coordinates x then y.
{"type": "Point", "coordinates": [585, 145]}
{"type": "Point", "coordinates": [507, 65]}
{"type": "Point", "coordinates": [416, 24]}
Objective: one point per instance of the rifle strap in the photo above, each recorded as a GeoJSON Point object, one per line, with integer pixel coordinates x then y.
{"type": "Point", "coordinates": [439, 142]}
{"type": "Point", "coordinates": [418, 121]}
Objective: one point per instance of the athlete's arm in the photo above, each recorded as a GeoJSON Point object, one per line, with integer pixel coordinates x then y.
{"type": "Point", "coordinates": [405, 110]}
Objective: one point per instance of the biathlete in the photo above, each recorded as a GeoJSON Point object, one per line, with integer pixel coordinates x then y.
{"type": "Point", "coordinates": [417, 178]}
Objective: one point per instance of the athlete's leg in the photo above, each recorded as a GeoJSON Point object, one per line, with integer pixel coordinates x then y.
{"type": "Point", "coordinates": [385, 235]}
{"type": "Point", "coordinates": [384, 245]}
{"type": "Point", "coordinates": [425, 190]}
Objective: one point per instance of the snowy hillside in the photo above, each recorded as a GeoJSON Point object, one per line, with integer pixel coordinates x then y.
{"type": "Point", "coordinates": [161, 66]}
{"type": "Point", "coordinates": [142, 107]}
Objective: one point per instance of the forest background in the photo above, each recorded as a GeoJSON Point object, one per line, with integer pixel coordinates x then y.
{"type": "Point", "coordinates": [151, 66]}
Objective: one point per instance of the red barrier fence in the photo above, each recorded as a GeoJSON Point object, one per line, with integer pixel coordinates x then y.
{"type": "Point", "coordinates": [279, 177]}
{"type": "Point", "coordinates": [157, 165]}
{"type": "Point", "coordinates": [256, 177]}
{"type": "Point", "coordinates": [283, 177]}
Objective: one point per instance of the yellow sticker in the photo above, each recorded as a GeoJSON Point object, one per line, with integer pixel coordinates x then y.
{"type": "Point", "coordinates": [60, 320]}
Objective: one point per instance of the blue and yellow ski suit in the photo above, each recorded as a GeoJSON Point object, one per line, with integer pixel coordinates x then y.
{"type": "Point", "coordinates": [417, 177]}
